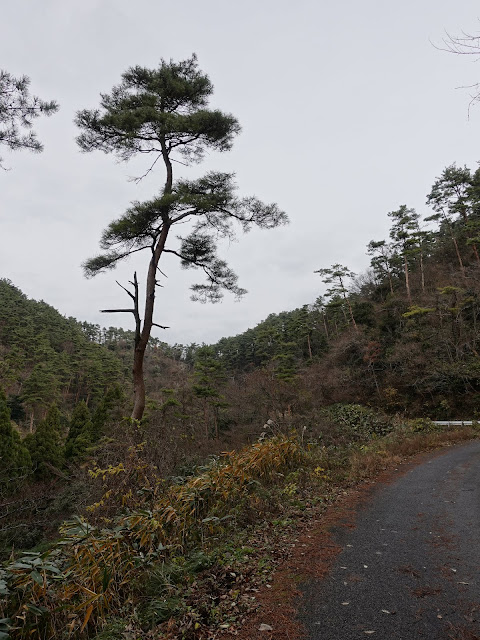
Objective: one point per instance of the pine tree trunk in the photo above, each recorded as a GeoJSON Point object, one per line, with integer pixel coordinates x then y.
{"type": "Point", "coordinates": [390, 282]}
{"type": "Point", "coordinates": [325, 325]}
{"type": "Point", "coordinates": [309, 346]}
{"type": "Point", "coordinates": [422, 271]}
{"type": "Point", "coordinates": [375, 378]}
{"type": "Point", "coordinates": [142, 337]}
{"type": "Point", "coordinates": [138, 384]}
{"type": "Point", "coordinates": [351, 315]}
{"type": "Point", "coordinates": [407, 280]}
{"type": "Point", "coordinates": [351, 312]}
{"type": "Point", "coordinates": [457, 250]}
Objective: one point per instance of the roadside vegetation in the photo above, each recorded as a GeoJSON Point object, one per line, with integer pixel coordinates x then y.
{"type": "Point", "coordinates": [183, 556]}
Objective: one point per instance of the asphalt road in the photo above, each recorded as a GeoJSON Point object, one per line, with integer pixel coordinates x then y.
{"type": "Point", "coordinates": [410, 568]}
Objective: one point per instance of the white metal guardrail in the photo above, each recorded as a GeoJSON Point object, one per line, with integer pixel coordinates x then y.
{"type": "Point", "coordinates": [454, 423]}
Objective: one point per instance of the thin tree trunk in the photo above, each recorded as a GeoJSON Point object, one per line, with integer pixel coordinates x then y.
{"type": "Point", "coordinates": [375, 378]}
{"type": "Point", "coordinates": [66, 391]}
{"type": "Point", "coordinates": [325, 325]}
{"type": "Point", "coordinates": [407, 280]}
{"type": "Point", "coordinates": [348, 304]}
{"type": "Point", "coordinates": [142, 336]}
{"type": "Point", "coordinates": [336, 326]}
{"type": "Point", "coordinates": [309, 346]}
{"type": "Point", "coordinates": [457, 250]}
{"type": "Point", "coordinates": [390, 282]}
{"type": "Point", "coordinates": [422, 271]}
{"type": "Point", "coordinates": [351, 314]}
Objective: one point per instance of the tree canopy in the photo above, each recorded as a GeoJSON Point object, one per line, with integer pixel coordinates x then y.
{"type": "Point", "coordinates": [18, 109]}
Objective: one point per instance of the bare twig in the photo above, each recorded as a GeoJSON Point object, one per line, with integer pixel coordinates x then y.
{"type": "Point", "coordinates": [464, 45]}
{"type": "Point", "coordinates": [126, 290]}
{"type": "Point", "coordinates": [160, 326]}
{"type": "Point", "coordinates": [140, 178]}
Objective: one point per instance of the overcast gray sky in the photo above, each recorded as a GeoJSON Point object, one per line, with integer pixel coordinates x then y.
{"type": "Point", "coordinates": [347, 112]}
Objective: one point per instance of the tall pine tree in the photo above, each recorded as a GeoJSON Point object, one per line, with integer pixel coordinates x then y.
{"type": "Point", "coordinates": [164, 113]}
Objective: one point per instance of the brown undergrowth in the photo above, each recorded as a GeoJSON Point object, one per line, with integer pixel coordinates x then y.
{"type": "Point", "coordinates": [215, 556]}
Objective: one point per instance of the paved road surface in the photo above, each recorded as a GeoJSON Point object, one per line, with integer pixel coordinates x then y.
{"type": "Point", "coordinates": [411, 567]}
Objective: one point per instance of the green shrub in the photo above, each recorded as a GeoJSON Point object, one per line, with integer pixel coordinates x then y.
{"type": "Point", "coordinates": [421, 425]}
{"type": "Point", "coordinates": [358, 422]}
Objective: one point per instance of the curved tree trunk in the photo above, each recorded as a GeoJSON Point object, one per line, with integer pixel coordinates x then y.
{"type": "Point", "coordinates": [142, 336]}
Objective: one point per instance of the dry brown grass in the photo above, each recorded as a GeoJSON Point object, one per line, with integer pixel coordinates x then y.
{"type": "Point", "coordinates": [390, 451]}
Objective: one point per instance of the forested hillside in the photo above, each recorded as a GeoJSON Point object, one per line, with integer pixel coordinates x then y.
{"type": "Point", "coordinates": [46, 358]}
{"type": "Point", "coordinates": [403, 336]}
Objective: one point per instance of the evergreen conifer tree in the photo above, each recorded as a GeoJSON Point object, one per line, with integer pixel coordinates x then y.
{"type": "Point", "coordinates": [14, 458]}
{"type": "Point", "coordinates": [209, 380]}
{"type": "Point", "coordinates": [336, 276]}
{"type": "Point", "coordinates": [404, 232]}
{"type": "Point", "coordinates": [80, 433]}
{"type": "Point", "coordinates": [163, 113]}
{"type": "Point", "coordinates": [45, 445]}
{"type": "Point", "coordinates": [111, 400]}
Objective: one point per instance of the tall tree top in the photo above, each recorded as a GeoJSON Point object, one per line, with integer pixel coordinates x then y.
{"type": "Point", "coordinates": [405, 224]}
{"type": "Point", "coordinates": [451, 192]}
{"type": "Point", "coordinates": [158, 110]}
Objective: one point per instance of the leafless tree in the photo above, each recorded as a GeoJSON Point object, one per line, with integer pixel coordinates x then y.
{"type": "Point", "coordinates": [465, 44]}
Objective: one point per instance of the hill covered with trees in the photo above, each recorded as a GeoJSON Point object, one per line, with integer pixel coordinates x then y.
{"type": "Point", "coordinates": [403, 336]}
{"type": "Point", "coordinates": [48, 358]}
